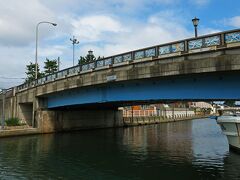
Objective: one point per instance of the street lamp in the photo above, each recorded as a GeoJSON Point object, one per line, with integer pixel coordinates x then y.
{"type": "Point", "coordinates": [36, 55]}
{"type": "Point", "coordinates": [195, 24]}
{"type": "Point", "coordinates": [3, 108]}
{"type": "Point", "coordinates": [90, 54]}
{"type": "Point", "coordinates": [74, 41]}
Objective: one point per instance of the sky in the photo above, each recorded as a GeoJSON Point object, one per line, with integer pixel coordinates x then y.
{"type": "Point", "coordinates": [107, 27]}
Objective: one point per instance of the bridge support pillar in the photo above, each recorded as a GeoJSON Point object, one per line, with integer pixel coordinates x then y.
{"type": "Point", "coordinates": [54, 121]}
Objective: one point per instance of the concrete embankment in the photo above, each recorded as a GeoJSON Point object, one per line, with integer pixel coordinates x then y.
{"type": "Point", "coordinates": [18, 132]}
{"type": "Point", "coordinates": [136, 121]}
{"type": "Point", "coordinates": [127, 121]}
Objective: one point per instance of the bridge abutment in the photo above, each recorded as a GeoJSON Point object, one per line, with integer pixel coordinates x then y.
{"type": "Point", "coordinates": [67, 120]}
{"type": "Point", "coordinates": [25, 113]}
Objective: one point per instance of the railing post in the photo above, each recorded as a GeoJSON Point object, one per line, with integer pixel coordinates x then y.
{"type": "Point", "coordinates": [132, 55]}
{"type": "Point", "coordinates": [186, 46]}
{"type": "Point", "coordinates": [112, 61]}
{"type": "Point", "coordinates": [222, 39]}
{"type": "Point", "coordinates": [95, 64]}
{"type": "Point", "coordinates": [80, 68]}
{"type": "Point", "coordinates": [157, 51]}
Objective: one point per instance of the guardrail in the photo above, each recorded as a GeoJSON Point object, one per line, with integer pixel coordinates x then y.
{"type": "Point", "coordinates": [191, 45]}
{"type": "Point", "coordinates": [167, 112]}
{"type": "Point", "coordinates": [7, 92]}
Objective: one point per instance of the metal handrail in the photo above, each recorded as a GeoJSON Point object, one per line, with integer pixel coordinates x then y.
{"type": "Point", "coordinates": [175, 48]}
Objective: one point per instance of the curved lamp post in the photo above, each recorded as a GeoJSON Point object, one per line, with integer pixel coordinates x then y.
{"type": "Point", "coordinates": [195, 24]}
{"type": "Point", "coordinates": [36, 55]}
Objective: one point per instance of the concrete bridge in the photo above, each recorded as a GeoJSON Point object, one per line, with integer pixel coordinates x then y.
{"type": "Point", "coordinates": [88, 96]}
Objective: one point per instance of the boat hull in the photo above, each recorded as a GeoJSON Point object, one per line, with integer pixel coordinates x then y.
{"type": "Point", "coordinates": [230, 126]}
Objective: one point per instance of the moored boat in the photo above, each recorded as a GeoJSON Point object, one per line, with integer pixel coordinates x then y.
{"type": "Point", "coordinates": [230, 125]}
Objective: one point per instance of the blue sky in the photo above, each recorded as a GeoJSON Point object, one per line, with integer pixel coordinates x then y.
{"type": "Point", "coordinates": [105, 26]}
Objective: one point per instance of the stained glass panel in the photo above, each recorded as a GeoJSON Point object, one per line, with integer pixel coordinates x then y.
{"type": "Point", "coordinates": [232, 37]}
{"type": "Point", "coordinates": [117, 59]}
{"type": "Point", "coordinates": [178, 47]}
{"type": "Point", "coordinates": [108, 61]}
{"type": "Point", "coordinates": [139, 55]}
{"type": "Point", "coordinates": [91, 66]}
{"type": "Point", "coordinates": [195, 44]}
{"type": "Point", "coordinates": [212, 41]}
{"type": "Point", "coordinates": [150, 52]}
{"type": "Point", "coordinates": [100, 63]}
{"type": "Point", "coordinates": [127, 57]}
{"type": "Point", "coordinates": [84, 67]}
{"type": "Point", "coordinates": [164, 50]}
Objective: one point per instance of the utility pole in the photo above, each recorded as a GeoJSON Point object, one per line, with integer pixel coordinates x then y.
{"type": "Point", "coordinates": [74, 41]}
{"type": "Point", "coordinates": [58, 62]}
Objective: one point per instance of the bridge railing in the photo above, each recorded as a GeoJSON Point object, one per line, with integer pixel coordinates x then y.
{"type": "Point", "coordinates": [7, 93]}
{"type": "Point", "coordinates": [187, 46]}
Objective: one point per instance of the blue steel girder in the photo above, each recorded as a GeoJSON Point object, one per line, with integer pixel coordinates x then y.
{"type": "Point", "coordinates": [205, 86]}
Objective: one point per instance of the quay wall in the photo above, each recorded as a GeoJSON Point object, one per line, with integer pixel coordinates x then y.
{"type": "Point", "coordinates": [56, 121]}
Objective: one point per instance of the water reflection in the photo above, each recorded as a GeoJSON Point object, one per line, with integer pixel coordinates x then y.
{"type": "Point", "coordinates": [157, 139]}
{"type": "Point", "coordinates": [184, 150]}
{"type": "Point", "coordinates": [210, 146]}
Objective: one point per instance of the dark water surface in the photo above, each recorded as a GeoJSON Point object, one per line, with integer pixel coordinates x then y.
{"type": "Point", "coordinates": [183, 150]}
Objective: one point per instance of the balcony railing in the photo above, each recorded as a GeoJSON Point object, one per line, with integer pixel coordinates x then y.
{"type": "Point", "coordinates": [203, 43]}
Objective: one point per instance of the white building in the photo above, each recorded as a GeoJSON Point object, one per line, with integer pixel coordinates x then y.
{"type": "Point", "coordinates": [201, 105]}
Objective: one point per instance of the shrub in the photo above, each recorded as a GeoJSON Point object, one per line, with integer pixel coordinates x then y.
{"type": "Point", "coordinates": [13, 122]}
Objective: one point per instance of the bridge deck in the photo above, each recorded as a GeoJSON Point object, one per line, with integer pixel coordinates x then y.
{"type": "Point", "coordinates": [200, 45]}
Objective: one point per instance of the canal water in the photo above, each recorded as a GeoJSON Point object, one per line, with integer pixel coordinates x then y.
{"type": "Point", "coordinates": [183, 150]}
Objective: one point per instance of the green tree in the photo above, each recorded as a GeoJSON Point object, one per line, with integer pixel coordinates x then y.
{"type": "Point", "coordinates": [31, 72]}
{"type": "Point", "coordinates": [51, 66]}
{"type": "Point", "coordinates": [99, 57]}
{"type": "Point", "coordinates": [81, 60]}
{"type": "Point", "coordinates": [230, 103]}
{"type": "Point", "coordinates": [88, 58]}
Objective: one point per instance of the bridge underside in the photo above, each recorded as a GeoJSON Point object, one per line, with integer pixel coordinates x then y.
{"type": "Point", "coordinates": [194, 87]}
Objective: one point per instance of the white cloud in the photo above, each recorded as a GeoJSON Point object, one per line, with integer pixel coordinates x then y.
{"type": "Point", "coordinates": [105, 34]}
{"type": "Point", "coordinates": [12, 64]}
{"type": "Point", "coordinates": [200, 2]}
{"type": "Point", "coordinates": [18, 20]}
{"type": "Point", "coordinates": [206, 30]}
{"type": "Point", "coordinates": [49, 51]}
{"type": "Point", "coordinates": [107, 27]}
{"type": "Point", "coordinates": [159, 28]}
{"type": "Point", "coordinates": [234, 21]}
{"type": "Point", "coordinates": [120, 7]}
{"type": "Point", "coordinates": [91, 28]}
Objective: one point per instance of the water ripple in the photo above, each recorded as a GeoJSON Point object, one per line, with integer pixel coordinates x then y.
{"type": "Point", "coordinates": [190, 150]}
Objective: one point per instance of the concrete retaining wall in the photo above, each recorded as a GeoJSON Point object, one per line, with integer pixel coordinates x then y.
{"type": "Point", "coordinates": [53, 121]}
{"type": "Point", "coordinates": [26, 113]}
{"type": "Point", "coordinates": [9, 107]}
{"type": "Point", "coordinates": [135, 121]}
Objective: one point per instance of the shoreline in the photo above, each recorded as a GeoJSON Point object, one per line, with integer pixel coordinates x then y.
{"type": "Point", "coordinates": [19, 132]}
{"type": "Point", "coordinates": [25, 131]}
{"type": "Point", "coordinates": [140, 121]}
